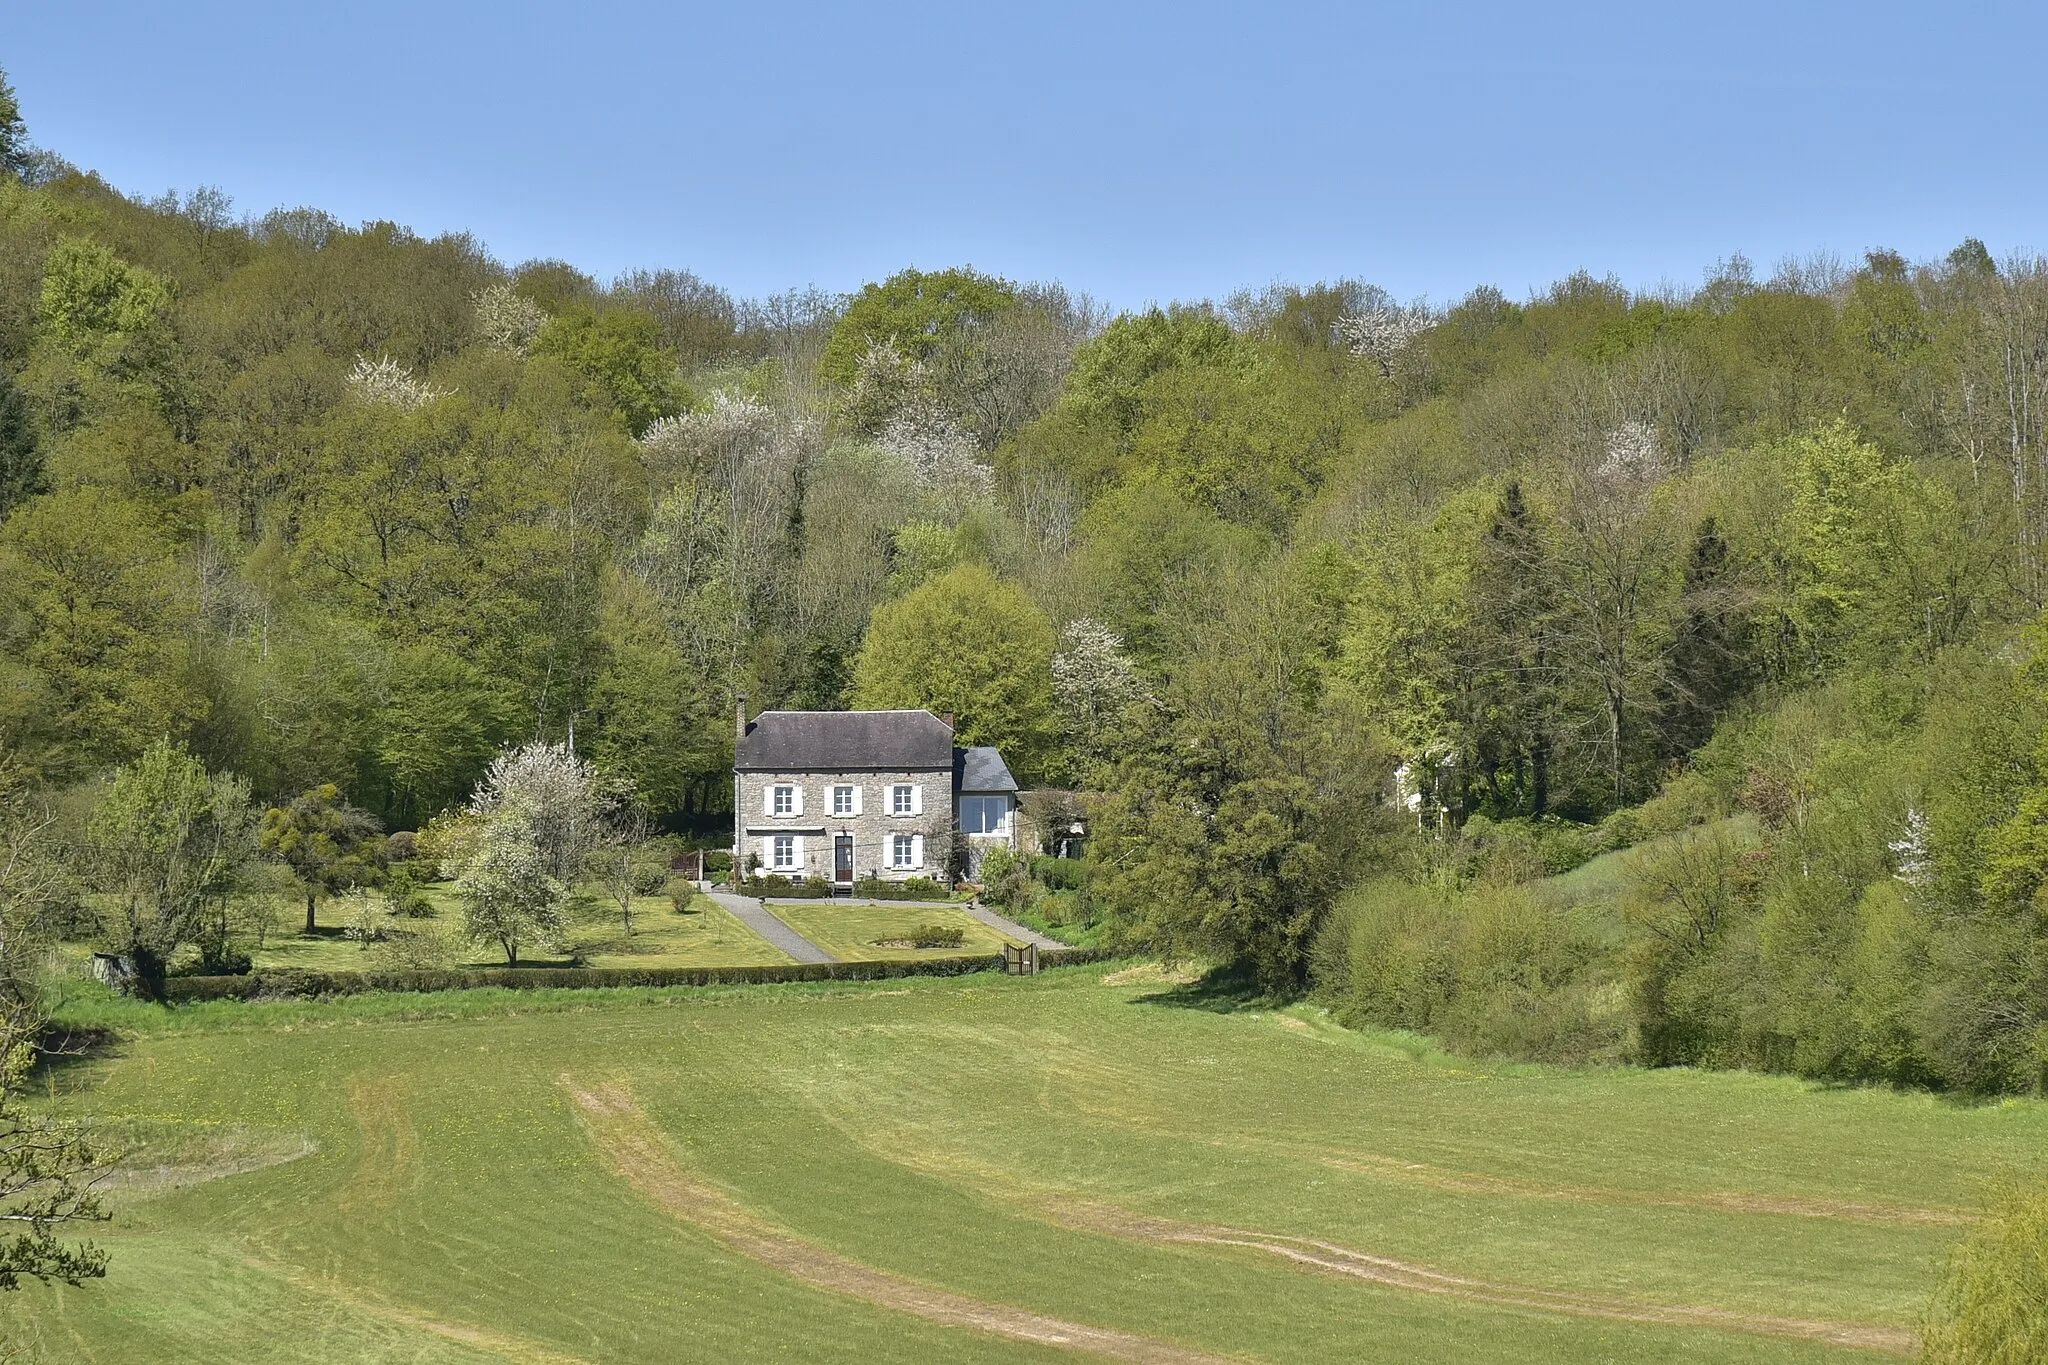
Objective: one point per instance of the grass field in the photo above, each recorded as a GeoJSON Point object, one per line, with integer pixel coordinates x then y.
{"type": "Point", "coordinates": [706, 935]}
{"type": "Point", "coordinates": [855, 933]}
{"type": "Point", "coordinates": [1088, 1162]}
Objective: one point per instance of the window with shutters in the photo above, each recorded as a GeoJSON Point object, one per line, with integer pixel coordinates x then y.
{"type": "Point", "coordinates": [903, 800]}
{"type": "Point", "coordinates": [903, 851]}
{"type": "Point", "coordinates": [785, 801]}
{"type": "Point", "coordinates": [842, 801]}
{"type": "Point", "coordinates": [785, 850]}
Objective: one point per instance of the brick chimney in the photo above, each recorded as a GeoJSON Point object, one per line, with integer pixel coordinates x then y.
{"type": "Point", "coordinates": [739, 719]}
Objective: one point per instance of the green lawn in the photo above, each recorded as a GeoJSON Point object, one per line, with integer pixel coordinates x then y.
{"type": "Point", "coordinates": [706, 935]}
{"type": "Point", "coordinates": [766, 1173]}
{"type": "Point", "coordinates": [851, 933]}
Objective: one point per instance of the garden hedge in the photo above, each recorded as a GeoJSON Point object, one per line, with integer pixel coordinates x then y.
{"type": "Point", "coordinates": [308, 983]}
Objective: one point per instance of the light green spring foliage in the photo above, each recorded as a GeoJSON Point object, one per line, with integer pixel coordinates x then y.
{"type": "Point", "coordinates": [913, 311]}
{"type": "Point", "coordinates": [967, 643]}
{"type": "Point", "coordinates": [1992, 1306]}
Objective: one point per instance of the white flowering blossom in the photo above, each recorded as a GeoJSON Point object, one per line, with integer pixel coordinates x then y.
{"type": "Point", "coordinates": [507, 319]}
{"type": "Point", "coordinates": [387, 383]}
{"type": "Point", "coordinates": [1385, 330]}
{"type": "Point", "coordinates": [1632, 453]}
{"type": "Point", "coordinates": [538, 811]}
{"type": "Point", "coordinates": [1909, 851]}
{"type": "Point", "coordinates": [1093, 680]}
{"type": "Point", "coordinates": [943, 458]}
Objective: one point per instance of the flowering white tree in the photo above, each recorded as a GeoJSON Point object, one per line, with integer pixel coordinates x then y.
{"type": "Point", "coordinates": [1385, 330]}
{"type": "Point", "coordinates": [729, 483]}
{"type": "Point", "coordinates": [1093, 681]}
{"type": "Point", "coordinates": [387, 383]}
{"type": "Point", "coordinates": [538, 811]}
{"type": "Point", "coordinates": [507, 319]}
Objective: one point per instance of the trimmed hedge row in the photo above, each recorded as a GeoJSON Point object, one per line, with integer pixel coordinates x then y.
{"type": "Point", "coordinates": [308, 983]}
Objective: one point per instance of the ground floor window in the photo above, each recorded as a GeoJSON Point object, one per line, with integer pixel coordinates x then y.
{"type": "Point", "coordinates": [785, 850]}
{"type": "Point", "coordinates": [903, 850]}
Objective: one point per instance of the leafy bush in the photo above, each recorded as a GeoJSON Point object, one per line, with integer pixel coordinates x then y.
{"type": "Point", "coordinates": [1060, 874]}
{"type": "Point", "coordinates": [1495, 970]}
{"type": "Point", "coordinates": [911, 889]}
{"type": "Point", "coordinates": [405, 894]}
{"type": "Point", "coordinates": [808, 888]}
{"type": "Point", "coordinates": [937, 936]}
{"type": "Point", "coordinates": [1992, 1306]}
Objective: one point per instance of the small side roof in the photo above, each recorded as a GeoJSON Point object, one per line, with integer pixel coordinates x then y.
{"type": "Point", "coordinates": [982, 770]}
{"type": "Point", "coordinates": [845, 741]}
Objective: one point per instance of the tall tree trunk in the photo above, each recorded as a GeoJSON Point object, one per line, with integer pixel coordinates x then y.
{"type": "Point", "coordinates": [310, 898]}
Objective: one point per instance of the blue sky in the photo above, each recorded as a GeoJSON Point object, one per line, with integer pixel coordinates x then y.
{"type": "Point", "coordinates": [1135, 151]}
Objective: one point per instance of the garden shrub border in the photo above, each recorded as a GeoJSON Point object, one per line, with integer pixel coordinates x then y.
{"type": "Point", "coordinates": [305, 984]}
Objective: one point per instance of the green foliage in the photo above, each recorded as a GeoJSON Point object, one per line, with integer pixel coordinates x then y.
{"type": "Point", "coordinates": [1992, 1306]}
{"type": "Point", "coordinates": [967, 643]}
{"type": "Point", "coordinates": [618, 351]}
{"type": "Point", "coordinates": [329, 845]}
{"type": "Point", "coordinates": [92, 298]}
{"type": "Point", "coordinates": [168, 844]}
{"type": "Point", "coordinates": [937, 936]}
{"type": "Point", "coordinates": [914, 311]}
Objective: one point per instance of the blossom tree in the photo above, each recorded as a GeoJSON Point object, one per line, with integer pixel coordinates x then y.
{"type": "Point", "coordinates": [538, 812]}
{"type": "Point", "coordinates": [508, 319]}
{"type": "Point", "coordinates": [384, 382]}
{"type": "Point", "coordinates": [1093, 681]}
{"type": "Point", "coordinates": [1385, 330]}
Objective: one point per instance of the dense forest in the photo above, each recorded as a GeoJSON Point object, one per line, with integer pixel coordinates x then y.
{"type": "Point", "coordinates": [1355, 624]}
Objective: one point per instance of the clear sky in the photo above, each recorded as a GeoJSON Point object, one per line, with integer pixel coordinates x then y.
{"type": "Point", "coordinates": [1136, 151]}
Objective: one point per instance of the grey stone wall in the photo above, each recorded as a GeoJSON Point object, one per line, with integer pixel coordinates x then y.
{"type": "Point", "coordinates": [872, 829]}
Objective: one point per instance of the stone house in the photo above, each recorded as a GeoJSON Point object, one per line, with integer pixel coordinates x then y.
{"type": "Point", "coordinates": [858, 795]}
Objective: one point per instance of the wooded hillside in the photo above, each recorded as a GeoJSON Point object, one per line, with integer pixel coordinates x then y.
{"type": "Point", "coordinates": [1320, 590]}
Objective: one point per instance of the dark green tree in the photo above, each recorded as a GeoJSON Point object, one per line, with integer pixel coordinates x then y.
{"type": "Point", "coordinates": [21, 457]}
{"type": "Point", "coordinates": [327, 843]}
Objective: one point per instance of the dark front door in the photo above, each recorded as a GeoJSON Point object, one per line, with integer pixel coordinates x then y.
{"type": "Point", "coordinates": [842, 860]}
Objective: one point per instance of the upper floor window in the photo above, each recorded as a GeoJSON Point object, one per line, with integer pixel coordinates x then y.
{"type": "Point", "coordinates": [903, 799]}
{"type": "Point", "coordinates": [785, 801]}
{"type": "Point", "coordinates": [845, 801]}
{"type": "Point", "coordinates": [984, 815]}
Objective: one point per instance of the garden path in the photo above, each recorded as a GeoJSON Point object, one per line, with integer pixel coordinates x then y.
{"type": "Point", "coordinates": [763, 921]}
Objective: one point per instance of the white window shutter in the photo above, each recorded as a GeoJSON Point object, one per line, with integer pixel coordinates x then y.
{"type": "Point", "coordinates": [917, 799]}
{"type": "Point", "coordinates": [917, 850]}
{"type": "Point", "coordinates": [796, 844]}
{"type": "Point", "coordinates": [768, 799]}
{"type": "Point", "coordinates": [768, 854]}
{"type": "Point", "coordinates": [856, 800]}
{"type": "Point", "coordinates": [798, 809]}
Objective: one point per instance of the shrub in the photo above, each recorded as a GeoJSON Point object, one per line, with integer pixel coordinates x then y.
{"type": "Point", "coordinates": [810, 888]}
{"type": "Point", "coordinates": [1493, 971]}
{"type": "Point", "coordinates": [937, 936]}
{"type": "Point", "coordinates": [1060, 874]}
{"type": "Point", "coordinates": [430, 947]}
{"type": "Point", "coordinates": [405, 894]}
{"type": "Point", "coordinates": [913, 889]}
{"type": "Point", "coordinates": [1992, 1306]}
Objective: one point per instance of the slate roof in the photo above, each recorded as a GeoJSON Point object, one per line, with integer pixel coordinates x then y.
{"type": "Point", "coordinates": [982, 770]}
{"type": "Point", "coordinates": [846, 741]}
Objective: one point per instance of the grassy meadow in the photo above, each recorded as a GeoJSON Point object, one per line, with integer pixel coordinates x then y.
{"type": "Point", "coordinates": [1091, 1161]}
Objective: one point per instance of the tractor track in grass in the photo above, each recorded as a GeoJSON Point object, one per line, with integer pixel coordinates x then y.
{"type": "Point", "coordinates": [1063, 1208]}
{"type": "Point", "coordinates": [642, 1157]}
{"type": "Point", "coordinates": [504, 1345]}
{"type": "Point", "coordinates": [1068, 1075]}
